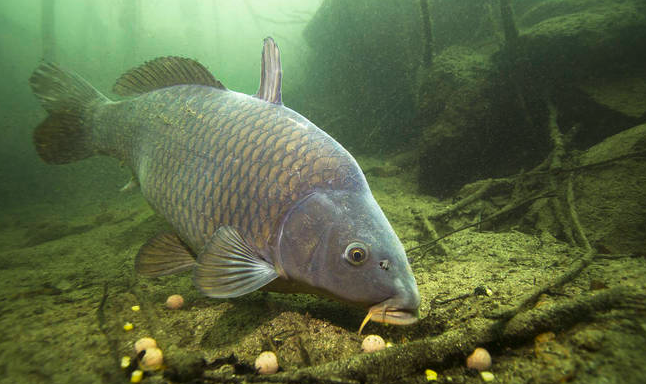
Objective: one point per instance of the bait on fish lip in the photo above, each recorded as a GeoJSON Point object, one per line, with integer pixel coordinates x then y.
{"type": "Point", "coordinates": [380, 313]}
{"type": "Point", "coordinates": [365, 321]}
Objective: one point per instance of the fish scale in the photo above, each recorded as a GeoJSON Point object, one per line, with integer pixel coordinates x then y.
{"type": "Point", "coordinates": [236, 166]}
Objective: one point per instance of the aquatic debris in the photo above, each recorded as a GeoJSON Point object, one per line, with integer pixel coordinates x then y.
{"type": "Point", "coordinates": [136, 376]}
{"type": "Point", "coordinates": [487, 376]}
{"type": "Point", "coordinates": [373, 343]}
{"type": "Point", "coordinates": [135, 308]}
{"type": "Point", "coordinates": [544, 337]}
{"type": "Point", "coordinates": [525, 325]}
{"type": "Point", "coordinates": [266, 363]}
{"type": "Point", "coordinates": [128, 326]}
{"type": "Point", "coordinates": [595, 285]}
{"type": "Point", "coordinates": [174, 302]}
{"type": "Point", "coordinates": [125, 362]}
{"type": "Point", "coordinates": [478, 291]}
{"type": "Point", "coordinates": [483, 291]}
{"type": "Point", "coordinates": [144, 343]}
{"type": "Point", "coordinates": [152, 360]}
{"type": "Point", "coordinates": [480, 359]}
{"type": "Point", "coordinates": [431, 375]}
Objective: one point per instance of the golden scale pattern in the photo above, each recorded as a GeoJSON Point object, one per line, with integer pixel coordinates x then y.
{"type": "Point", "coordinates": [223, 159]}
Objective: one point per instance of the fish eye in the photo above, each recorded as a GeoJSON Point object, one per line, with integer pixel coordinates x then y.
{"type": "Point", "coordinates": [356, 253]}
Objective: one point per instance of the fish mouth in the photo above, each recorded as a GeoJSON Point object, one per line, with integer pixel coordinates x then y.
{"type": "Point", "coordinates": [385, 313]}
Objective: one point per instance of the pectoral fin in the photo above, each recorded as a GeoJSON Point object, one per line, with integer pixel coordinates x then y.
{"type": "Point", "coordinates": [162, 255]}
{"type": "Point", "coordinates": [229, 267]}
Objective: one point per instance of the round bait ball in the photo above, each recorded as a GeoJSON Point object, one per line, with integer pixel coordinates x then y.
{"type": "Point", "coordinates": [267, 363]}
{"type": "Point", "coordinates": [152, 360]}
{"type": "Point", "coordinates": [480, 359]}
{"type": "Point", "coordinates": [373, 343]}
{"type": "Point", "coordinates": [145, 343]}
{"type": "Point", "coordinates": [174, 302]}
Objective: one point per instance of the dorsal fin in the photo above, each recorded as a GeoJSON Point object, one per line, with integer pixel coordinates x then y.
{"type": "Point", "coordinates": [164, 72]}
{"type": "Point", "coordinates": [271, 74]}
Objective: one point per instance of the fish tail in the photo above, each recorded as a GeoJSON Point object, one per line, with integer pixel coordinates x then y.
{"type": "Point", "coordinates": [64, 136]}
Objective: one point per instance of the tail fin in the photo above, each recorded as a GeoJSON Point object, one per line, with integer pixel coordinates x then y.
{"type": "Point", "coordinates": [63, 137]}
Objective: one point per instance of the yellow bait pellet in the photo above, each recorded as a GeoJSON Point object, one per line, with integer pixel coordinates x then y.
{"type": "Point", "coordinates": [128, 327]}
{"type": "Point", "coordinates": [431, 375]}
{"type": "Point", "coordinates": [487, 376]}
{"type": "Point", "coordinates": [389, 344]}
{"type": "Point", "coordinates": [135, 308]}
{"type": "Point", "coordinates": [136, 376]}
{"type": "Point", "coordinates": [125, 362]}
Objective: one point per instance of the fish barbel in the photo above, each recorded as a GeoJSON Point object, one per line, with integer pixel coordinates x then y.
{"type": "Point", "coordinates": [257, 195]}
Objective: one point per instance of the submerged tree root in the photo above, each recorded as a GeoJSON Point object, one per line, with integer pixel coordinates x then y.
{"type": "Point", "coordinates": [554, 180]}
{"type": "Point", "coordinates": [428, 226]}
{"type": "Point", "coordinates": [441, 351]}
{"type": "Point", "coordinates": [561, 315]}
{"type": "Point", "coordinates": [487, 184]}
{"type": "Point", "coordinates": [568, 196]}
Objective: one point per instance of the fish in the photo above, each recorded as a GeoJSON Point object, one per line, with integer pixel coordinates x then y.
{"type": "Point", "coordinates": [258, 197]}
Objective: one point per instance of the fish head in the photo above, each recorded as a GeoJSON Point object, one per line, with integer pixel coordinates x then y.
{"type": "Point", "coordinates": [340, 244]}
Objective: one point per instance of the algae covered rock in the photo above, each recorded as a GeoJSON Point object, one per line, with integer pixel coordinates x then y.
{"type": "Point", "coordinates": [483, 114]}
{"type": "Point", "coordinates": [609, 189]}
{"type": "Point", "coordinates": [611, 200]}
{"type": "Point", "coordinates": [571, 39]}
{"type": "Point", "coordinates": [452, 100]}
{"type": "Point", "coordinates": [474, 123]}
{"type": "Point", "coordinates": [589, 55]}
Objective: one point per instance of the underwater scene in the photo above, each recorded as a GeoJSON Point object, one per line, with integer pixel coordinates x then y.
{"type": "Point", "coordinates": [323, 191]}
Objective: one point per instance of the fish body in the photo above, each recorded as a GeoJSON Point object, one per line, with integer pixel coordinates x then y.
{"type": "Point", "coordinates": [206, 157]}
{"type": "Point", "coordinates": [257, 195]}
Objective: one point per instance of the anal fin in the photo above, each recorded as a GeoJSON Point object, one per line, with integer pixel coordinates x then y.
{"type": "Point", "coordinates": [229, 267]}
{"type": "Point", "coordinates": [162, 255]}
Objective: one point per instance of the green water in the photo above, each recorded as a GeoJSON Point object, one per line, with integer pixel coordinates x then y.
{"type": "Point", "coordinates": [540, 125]}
